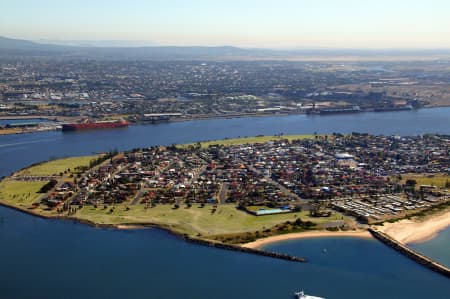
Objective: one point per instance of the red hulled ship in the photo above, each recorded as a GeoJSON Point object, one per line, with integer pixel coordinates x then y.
{"type": "Point", "coordinates": [89, 125]}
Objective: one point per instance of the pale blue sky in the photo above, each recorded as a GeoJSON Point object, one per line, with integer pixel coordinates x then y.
{"type": "Point", "coordinates": [245, 23]}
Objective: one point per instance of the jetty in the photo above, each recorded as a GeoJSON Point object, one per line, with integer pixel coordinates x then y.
{"type": "Point", "coordinates": [239, 248]}
{"type": "Point", "coordinates": [412, 254]}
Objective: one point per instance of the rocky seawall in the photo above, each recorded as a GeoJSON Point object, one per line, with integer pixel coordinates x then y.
{"type": "Point", "coordinates": [412, 254]}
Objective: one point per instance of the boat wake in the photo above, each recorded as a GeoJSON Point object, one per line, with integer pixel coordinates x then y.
{"type": "Point", "coordinates": [25, 142]}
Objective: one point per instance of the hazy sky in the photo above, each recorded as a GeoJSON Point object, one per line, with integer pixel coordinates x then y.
{"type": "Point", "coordinates": [245, 23]}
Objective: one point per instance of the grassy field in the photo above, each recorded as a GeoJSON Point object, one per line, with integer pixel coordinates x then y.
{"type": "Point", "coordinates": [19, 193]}
{"type": "Point", "coordinates": [24, 193]}
{"type": "Point", "coordinates": [57, 166]}
{"type": "Point", "coordinates": [249, 140]}
{"type": "Point", "coordinates": [438, 180]}
{"type": "Point", "coordinates": [193, 220]}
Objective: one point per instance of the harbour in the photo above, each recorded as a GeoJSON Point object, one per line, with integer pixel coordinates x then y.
{"type": "Point", "coordinates": [228, 149]}
{"type": "Point", "coordinates": [55, 144]}
{"type": "Point", "coordinates": [165, 258]}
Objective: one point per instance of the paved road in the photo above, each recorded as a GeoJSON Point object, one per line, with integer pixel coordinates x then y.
{"type": "Point", "coordinates": [223, 193]}
{"type": "Point", "coordinates": [281, 187]}
{"type": "Point", "coordinates": [138, 196]}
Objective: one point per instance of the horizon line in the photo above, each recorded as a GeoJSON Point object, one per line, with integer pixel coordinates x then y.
{"type": "Point", "coordinates": [152, 44]}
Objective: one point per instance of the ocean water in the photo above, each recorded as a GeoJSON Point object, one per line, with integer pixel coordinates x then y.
{"type": "Point", "coordinates": [61, 259]}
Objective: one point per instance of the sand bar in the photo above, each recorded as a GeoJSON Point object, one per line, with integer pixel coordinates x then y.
{"type": "Point", "coordinates": [312, 234]}
{"type": "Point", "coordinates": [416, 231]}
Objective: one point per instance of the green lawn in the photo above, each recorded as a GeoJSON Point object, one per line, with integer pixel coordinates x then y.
{"type": "Point", "coordinates": [249, 140]}
{"type": "Point", "coordinates": [19, 193]}
{"type": "Point", "coordinates": [193, 220]}
{"type": "Point", "coordinates": [57, 166]}
{"type": "Point", "coordinates": [438, 180]}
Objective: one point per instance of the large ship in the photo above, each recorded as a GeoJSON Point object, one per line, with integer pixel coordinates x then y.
{"type": "Point", "coordinates": [393, 108]}
{"type": "Point", "coordinates": [88, 125]}
{"type": "Point", "coordinates": [353, 109]}
{"type": "Point", "coordinates": [336, 110]}
{"type": "Point", "coordinates": [301, 295]}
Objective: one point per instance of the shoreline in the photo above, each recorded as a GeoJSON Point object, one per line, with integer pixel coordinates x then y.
{"type": "Point", "coordinates": [120, 226]}
{"type": "Point", "coordinates": [417, 231]}
{"type": "Point", "coordinates": [175, 120]}
{"type": "Point", "coordinates": [133, 226]}
{"type": "Point", "coordinates": [405, 231]}
{"type": "Point", "coordinates": [257, 247]}
{"type": "Point", "coordinates": [411, 253]}
{"type": "Point", "coordinates": [170, 231]}
{"type": "Point", "coordinates": [306, 235]}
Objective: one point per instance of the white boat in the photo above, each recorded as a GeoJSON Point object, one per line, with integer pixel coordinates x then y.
{"type": "Point", "coordinates": [302, 295]}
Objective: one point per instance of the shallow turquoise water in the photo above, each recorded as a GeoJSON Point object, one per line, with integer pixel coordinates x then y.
{"type": "Point", "coordinates": [438, 248]}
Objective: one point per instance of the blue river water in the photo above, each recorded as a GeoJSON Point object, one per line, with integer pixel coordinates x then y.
{"type": "Point", "coordinates": [17, 151]}
{"type": "Point", "coordinates": [60, 259]}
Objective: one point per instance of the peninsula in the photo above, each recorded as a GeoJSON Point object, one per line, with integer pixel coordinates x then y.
{"type": "Point", "coordinates": [236, 191]}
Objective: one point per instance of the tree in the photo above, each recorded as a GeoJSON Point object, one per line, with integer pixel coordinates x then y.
{"type": "Point", "coordinates": [47, 187]}
{"type": "Point", "coordinates": [411, 183]}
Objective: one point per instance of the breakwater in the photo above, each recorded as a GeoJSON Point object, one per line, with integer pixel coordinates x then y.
{"type": "Point", "coordinates": [233, 247]}
{"type": "Point", "coordinates": [412, 254]}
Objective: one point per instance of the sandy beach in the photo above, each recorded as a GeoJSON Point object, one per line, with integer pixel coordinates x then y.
{"type": "Point", "coordinates": [313, 234]}
{"type": "Point", "coordinates": [414, 231]}
{"type": "Point", "coordinates": [130, 226]}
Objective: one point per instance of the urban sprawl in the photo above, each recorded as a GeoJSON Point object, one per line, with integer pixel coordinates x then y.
{"type": "Point", "coordinates": [358, 174]}
{"type": "Point", "coordinates": [97, 89]}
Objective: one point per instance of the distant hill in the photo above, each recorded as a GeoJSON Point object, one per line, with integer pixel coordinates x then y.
{"type": "Point", "coordinates": [100, 43]}
{"type": "Point", "coordinates": [18, 48]}
{"type": "Point", "coordinates": [19, 44]}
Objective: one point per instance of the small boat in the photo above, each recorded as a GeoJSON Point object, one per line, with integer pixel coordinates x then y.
{"type": "Point", "coordinates": [302, 295]}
